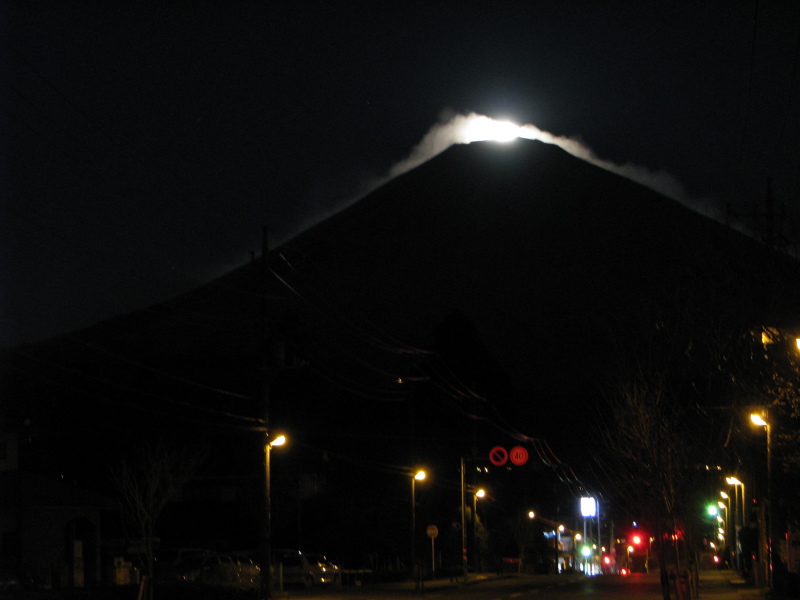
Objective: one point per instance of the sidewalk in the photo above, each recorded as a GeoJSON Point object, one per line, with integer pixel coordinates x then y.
{"type": "Point", "coordinates": [728, 585]}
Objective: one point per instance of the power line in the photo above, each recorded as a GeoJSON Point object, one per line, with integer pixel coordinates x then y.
{"type": "Point", "coordinates": [447, 382]}
{"type": "Point", "coordinates": [393, 345]}
{"type": "Point", "coordinates": [138, 392]}
{"type": "Point", "coordinates": [141, 365]}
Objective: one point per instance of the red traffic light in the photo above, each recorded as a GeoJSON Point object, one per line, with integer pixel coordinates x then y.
{"type": "Point", "coordinates": [637, 539]}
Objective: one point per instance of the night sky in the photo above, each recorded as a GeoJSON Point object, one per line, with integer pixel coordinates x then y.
{"type": "Point", "coordinates": [145, 146]}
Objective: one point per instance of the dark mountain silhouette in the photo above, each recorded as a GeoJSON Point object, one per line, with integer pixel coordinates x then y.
{"type": "Point", "coordinates": [493, 290]}
{"type": "Point", "coordinates": [555, 262]}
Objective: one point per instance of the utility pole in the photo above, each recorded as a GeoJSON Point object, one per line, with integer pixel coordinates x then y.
{"type": "Point", "coordinates": [463, 522]}
{"type": "Point", "coordinates": [267, 368]}
{"type": "Point", "coordinates": [599, 539]}
{"type": "Point", "coordinates": [763, 223]}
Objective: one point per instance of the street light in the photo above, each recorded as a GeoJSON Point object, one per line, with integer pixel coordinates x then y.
{"type": "Point", "coordinates": [734, 481]}
{"type": "Point", "coordinates": [266, 566]}
{"type": "Point", "coordinates": [727, 521]}
{"type": "Point", "coordinates": [728, 517]}
{"type": "Point", "coordinates": [740, 511]}
{"type": "Point", "coordinates": [480, 493]}
{"type": "Point", "coordinates": [418, 476]}
{"type": "Point", "coordinates": [768, 515]}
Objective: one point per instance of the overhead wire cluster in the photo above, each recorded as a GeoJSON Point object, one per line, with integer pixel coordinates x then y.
{"type": "Point", "coordinates": [256, 424]}
{"type": "Point", "coordinates": [383, 380]}
{"type": "Point", "coordinates": [422, 366]}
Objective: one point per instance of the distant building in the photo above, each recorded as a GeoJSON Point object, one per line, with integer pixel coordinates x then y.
{"type": "Point", "coordinates": [49, 530]}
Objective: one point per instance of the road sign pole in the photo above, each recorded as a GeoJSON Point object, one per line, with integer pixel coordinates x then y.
{"type": "Point", "coordinates": [433, 560]}
{"type": "Point", "coordinates": [433, 533]}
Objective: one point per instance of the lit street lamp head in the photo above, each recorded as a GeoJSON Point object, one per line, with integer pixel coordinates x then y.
{"type": "Point", "coordinates": [758, 420]}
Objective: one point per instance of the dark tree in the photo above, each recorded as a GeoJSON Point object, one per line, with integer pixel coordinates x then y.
{"type": "Point", "coordinates": [146, 483]}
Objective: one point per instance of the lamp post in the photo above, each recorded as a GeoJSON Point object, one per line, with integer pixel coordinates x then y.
{"type": "Point", "coordinates": [737, 526]}
{"type": "Point", "coordinates": [739, 484]}
{"type": "Point", "coordinates": [731, 520]}
{"type": "Point", "coordinates": [726, 520]}
{"type": "Point", "coordinates": [768, 513]}
{"type": "Point", "coordinates": [266, 566]}
{"type": "Point", "coordinates": [481, 493]}
{"type": "Point", "coordinates": [725, 496]}
{"type": "Point", "coordinates": [418, 476]}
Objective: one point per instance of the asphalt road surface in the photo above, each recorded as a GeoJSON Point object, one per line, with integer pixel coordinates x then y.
{"type": "Point", "coordinates": [505, 588]}
{"type": "Point", "coordinates": [714, 585]}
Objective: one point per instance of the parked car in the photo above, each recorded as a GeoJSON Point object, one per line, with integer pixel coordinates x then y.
{"type": "Point", "coordinates": [12, 578]}
{"type": "Point", "coordinates": [174, 564]}
{"type": "Point", "coordinates": [9, 581]}
{"type": "Point", "coordinates": [329, 572]}
{"type": "Point", "coordinates": [214, 568]}
{"type": "Point", "coordinates": [292, 567]}
{"type": "Point", "coordinates": [200, 566]}
{"type": "Point", "coordinates": [248, 571]}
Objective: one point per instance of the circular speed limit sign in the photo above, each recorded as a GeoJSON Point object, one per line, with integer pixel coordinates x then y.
{"type": "Point", "coordinates": [518, 455]}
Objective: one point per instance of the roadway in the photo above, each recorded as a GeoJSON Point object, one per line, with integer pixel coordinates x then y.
{"type": "Point", "coordinates": [715, 585]}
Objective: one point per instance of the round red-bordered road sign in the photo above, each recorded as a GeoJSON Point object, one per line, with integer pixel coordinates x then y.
{"type": "Point", "coordinates": [518, 455]}
{"type": "Point", "coordinates": [498, 456]}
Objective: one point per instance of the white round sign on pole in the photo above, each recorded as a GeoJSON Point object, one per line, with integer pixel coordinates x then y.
{"type": "Point", "coordinates": [433, 532]}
